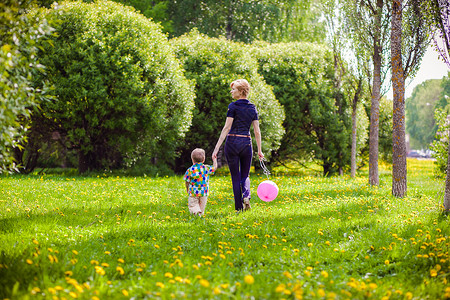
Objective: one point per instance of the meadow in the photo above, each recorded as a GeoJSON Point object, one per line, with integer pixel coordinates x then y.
{"type": "Point", "coordinates": [64, 236]}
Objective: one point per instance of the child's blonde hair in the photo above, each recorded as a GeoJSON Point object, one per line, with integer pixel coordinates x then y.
{"type": "Point", "coordinates": [198, 155]}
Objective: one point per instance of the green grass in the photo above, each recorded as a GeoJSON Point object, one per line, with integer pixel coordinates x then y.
{"type": "Point", "coordinates": [110, 237]}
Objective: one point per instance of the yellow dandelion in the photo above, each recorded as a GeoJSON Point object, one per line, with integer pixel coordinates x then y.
{"type": "Point", "coordinates": [73, 295]}
{"type": "Point", "coordinates": [29, 261]}
{"type": "Point", "coordinates": [121, 260]}
{"type": "Point", "coordinates": [204, 283]}
{"type": "Point", "coordinates": [324, 274]}
{"type": "Point", "coordinates": [68, 273]}
{"type": "Point", "coordinates": [287, 274]}
{"type": "Point", "coordinates": [386, 262]}
{"type": "Point", "coordinates": [99, 270]}
{"type": "Point", "coordinates": [433, 273]}
{"type": "Point", "coordinates": [168, 275]}
{"type": "Point", "coordinates": [321, 293]}
{"type": "Point", "coordinates": [160, 284]}
{"type": "Point", "coordinates": [50, 258]}
{"type": "Point", "coordinates": [248, 279]}
{"type": "Point", "coordinates": [280, 288]}
{"type": "Point", "coordinates": [125, 293]}
{"type": "Point", "coordinates": [216, 291]}
{"type": "Point", "coordinates": [35, 290]}
{"type": "Point", "coordinates": [120, 270]}
{"type": "Point", "coordinates": [157, 246]}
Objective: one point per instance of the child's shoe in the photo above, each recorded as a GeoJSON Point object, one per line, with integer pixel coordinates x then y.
{"type": "Point", "coordinates": [247, 203]}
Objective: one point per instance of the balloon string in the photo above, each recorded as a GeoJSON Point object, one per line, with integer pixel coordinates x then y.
{"type": "Point", "coordinates": [264, 168]}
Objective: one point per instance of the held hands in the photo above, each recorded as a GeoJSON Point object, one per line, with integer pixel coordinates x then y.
{"type": "Point", "coordinates": [214, 155]}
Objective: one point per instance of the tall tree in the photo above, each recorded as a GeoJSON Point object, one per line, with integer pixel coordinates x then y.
{"type": "Point", "coordinates": [399, 171]}
{"type": "Point", "coordinates": [406, 53]}
{"type": "Point", "coordinates": [368, 24]}
{"type": "Point", "coordinates": [339, 39]}
{"type": "Point", "coordinates": [355, 101]}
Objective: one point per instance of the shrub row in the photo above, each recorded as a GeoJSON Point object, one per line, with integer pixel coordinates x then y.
{"type": "Point", "coordinates": [126, 96]}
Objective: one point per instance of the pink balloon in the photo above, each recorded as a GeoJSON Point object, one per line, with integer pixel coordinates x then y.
{"type": "Point", "coordinates": [267, 190]}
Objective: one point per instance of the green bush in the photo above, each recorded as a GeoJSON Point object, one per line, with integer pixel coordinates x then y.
{"type": "Point", "coordinates": [18, 66]}
{"type": "Point", "coordinates": [213, 64]}
{"type": "Point", "coordinates": [121, 93]}
{"type": "Point", "coordinates": [440, 145]}
{"type": "Point", "coordinates": [318, 119]}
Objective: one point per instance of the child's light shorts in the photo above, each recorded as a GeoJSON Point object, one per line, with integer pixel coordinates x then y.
{"type": "Point", "coordinates": [197, 204]}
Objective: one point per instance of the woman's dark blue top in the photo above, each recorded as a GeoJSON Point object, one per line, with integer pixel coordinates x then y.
{"type": "Point", "coordinates": [244, 113]}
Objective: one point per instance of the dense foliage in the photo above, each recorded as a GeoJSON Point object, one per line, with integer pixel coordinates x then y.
{"type": "Point", "coordinates": [157, 10]}
{"type": "Point", "coordinates": [238, 20]}
{"type": "Point", "coordinates": [214, 63]}
{"type": "Point", "coordinates": [385, 130]}
{"type": "Point", "coordinates": [420, 123]}
{"type": "Point", "coordinates": [121, 93]}
{"type": "Point", "coordinates": [440, 145]}
{"type": "Point", "coordinates": [19, 35]}
{"type": "Point", "coordinates": [317, 123]}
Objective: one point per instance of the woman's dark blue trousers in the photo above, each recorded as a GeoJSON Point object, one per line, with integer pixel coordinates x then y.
{"type": "Point", "coordinates": [239, 152]}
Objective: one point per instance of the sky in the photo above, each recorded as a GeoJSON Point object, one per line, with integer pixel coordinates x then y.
{"type": "Point", "coordinates": [430, 68]}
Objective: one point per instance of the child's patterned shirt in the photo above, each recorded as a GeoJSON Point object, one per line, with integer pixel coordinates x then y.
{"type": "Point", "coordinates": [198, 176]}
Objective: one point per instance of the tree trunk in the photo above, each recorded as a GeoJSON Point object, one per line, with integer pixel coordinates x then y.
{"type": "Point", "coordinates": [447, 182]}
{"type": "Point", "coordinates": [375, 104]}
{"type": "Point", "coordinates": [399, 184]}
{"type": "Point", "coordinates": [86, 162]}
{"type": "Point", "coordinates": [230, 17]}
{"type": "Point", "coordinates": [354, 133]}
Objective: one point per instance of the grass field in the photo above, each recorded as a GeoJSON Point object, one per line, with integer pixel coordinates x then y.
{"type": "Point", "coordinates": [111, 237]}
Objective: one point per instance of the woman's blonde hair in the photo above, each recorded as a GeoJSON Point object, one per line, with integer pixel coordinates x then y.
{"type": "Point", "coordinates": [242, 86]}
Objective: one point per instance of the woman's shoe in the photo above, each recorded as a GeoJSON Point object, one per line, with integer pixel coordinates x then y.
{"type": "Point", "coordinates": [247, 204]}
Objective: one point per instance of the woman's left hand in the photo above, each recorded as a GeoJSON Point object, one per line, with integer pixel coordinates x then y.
{"type": "Point", "coordinates": [260, 155]}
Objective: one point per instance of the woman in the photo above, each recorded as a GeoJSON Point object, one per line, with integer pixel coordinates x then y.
{"type": "Point", "coordinates": [238, 146]}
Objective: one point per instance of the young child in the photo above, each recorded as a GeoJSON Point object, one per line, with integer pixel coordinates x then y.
{"type": "Point", "coordinates": [197, 185]}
